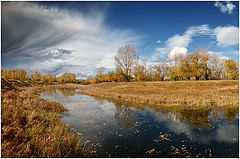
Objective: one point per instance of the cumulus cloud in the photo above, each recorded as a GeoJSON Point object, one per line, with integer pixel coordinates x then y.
{"type": "Point", "coordinates": [227, 35]}
{"type": "Point", "coordinates": [227, 8]}
{"type": "Point", "coordinates": [158, 41]}
{"type": "Point", "coordinates": [49, 38]}
{"type": "Point", "coordinates": [177, 52]}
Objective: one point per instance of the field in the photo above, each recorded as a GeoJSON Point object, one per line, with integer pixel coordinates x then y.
{"type": "Point", "coordinates": [31, 126]}
{"type": "Point", "coordinates": [169, 94]}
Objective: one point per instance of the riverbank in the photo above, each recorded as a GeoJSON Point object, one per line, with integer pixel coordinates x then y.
{"type": "Point", "coordinates": [31, 126]}
{"type": "Point", "coordinates": [170, 94]}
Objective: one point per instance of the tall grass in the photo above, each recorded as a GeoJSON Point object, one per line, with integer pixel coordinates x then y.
{"type": "Point", "coordinates": [31, 128]}
{"type": "Point", "coordinates": [177, 94]}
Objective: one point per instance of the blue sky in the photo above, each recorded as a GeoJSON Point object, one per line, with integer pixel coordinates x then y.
{"type": "Point", "coordinates": [81, 36]}
{"type": "Point", "coordinates": [161, 20]}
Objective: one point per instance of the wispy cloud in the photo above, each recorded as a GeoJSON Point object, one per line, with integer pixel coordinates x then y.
{"type": "Point", "coordinates": [48, 38]}
{"type": "Point", "coordinates": [227, 8]}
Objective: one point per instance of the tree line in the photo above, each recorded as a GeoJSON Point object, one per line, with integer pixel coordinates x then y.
{"type": "Point", "coordinates": [36, 76]}
{"type": "Point", "coordinates": [199, 65]}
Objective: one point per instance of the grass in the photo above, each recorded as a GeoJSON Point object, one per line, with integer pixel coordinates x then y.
{"type": "Point", "coordinates": [31, 127]}
{"type": "Point", "coordinates": [170, 94]}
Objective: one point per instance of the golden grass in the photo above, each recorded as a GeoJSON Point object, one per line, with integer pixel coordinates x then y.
{"type": "Point", "coordinates": [31, 128]}
{"type": "Point", "coordinates": [177, 94]}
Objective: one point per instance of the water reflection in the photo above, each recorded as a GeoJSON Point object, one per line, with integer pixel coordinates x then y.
{"type": "Point", "coordinates": [219, 131]}
{"type": "Point", "coordinates": [67, 91]}
{"type": "Point", "coordinates": [122, 131]}
{"type": "Point", "coordinates": [125, 116]}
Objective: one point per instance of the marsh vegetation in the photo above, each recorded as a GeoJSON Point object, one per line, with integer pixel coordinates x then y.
{"type": "Point", "coordinates": [118, 129]}
{"type": "Point", "coordinates": [171, 94]}
{"type": "Point", "coordinates": [31, 126]}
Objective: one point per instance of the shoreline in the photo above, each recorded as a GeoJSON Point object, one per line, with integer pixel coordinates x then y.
{"type": "Point", "coordinates": [25, 114]}
{"type": "Point", "coordinates": [31, 127]}
{"type": "Point", "coordinates": [180, 95]}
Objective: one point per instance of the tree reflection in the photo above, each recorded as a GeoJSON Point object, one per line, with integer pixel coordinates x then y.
{"type": "Point", "coordinates": [200, 118]}
{"type": "Point", "coordinates": [67, 91]}
{"type": "Point", "coordinates": [196, 118]}
{"type": "Point", "coordinates": [230, 114]}
{"type": "Point", "coordinates": [49, 91]}
{"type": "Point", "coordinates": [125, 116]}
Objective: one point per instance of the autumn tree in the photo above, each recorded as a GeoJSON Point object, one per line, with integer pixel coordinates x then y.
{"type": "Point", "coordinates": [111, 76]}
{"type": "Point", "coordinates": [125, 60]}
{"type": "Point", "coordinates": [5, 73]}
{"type": "Point", "coordinates": [48, 77]}
{"type": "Point", "coordinates": [17, 74]}
{"type": "Point", "coordinates": [175, 73]}
{"type": "Point", "coordinates": [230, 69]}
{"type": "Point", "coordinates": [160, 72]}
{"type": "Point", "coordinates": [215, 66]}
{"type": "Point", "coordinates": [198, 64]}
{"type": "Point", "coordinates": [36, 76]}
{"type": "Point", "coordinates": [140, 72]}
{"type": "Point", "coordinates": [20, 74]}
{"type": "Point", "coordinates": [100, 76]}
{"type": "Point", "coordinates": [90, 79]}
{"type": "Point", "coordinates": [185, 68]}
{"type": "Point", "coordinates": [67, 77]}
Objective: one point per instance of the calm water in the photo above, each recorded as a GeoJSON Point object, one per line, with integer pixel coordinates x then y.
{"type": "Point", "coordinates": [124, 131]}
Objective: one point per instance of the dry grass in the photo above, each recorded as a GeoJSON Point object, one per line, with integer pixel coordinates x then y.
{"type": "Point", "coordinates": [31, 128]}
{"type": "Point", "coordinates": [177, 94]}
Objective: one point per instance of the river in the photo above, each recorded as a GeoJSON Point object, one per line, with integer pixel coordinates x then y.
{"type": "Point", "coordinates": [125, 131]}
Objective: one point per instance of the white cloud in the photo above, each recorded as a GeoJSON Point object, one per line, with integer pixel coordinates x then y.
{"type": "Point", "coordinates": [185, 39]}
{"type": "Point", "coordinates": [179, 41]}
{"type": "Point", "coordinates": [227, 35]}
{"type": "Point", "coordinates": [227, 8]}
{"type": "Point", "coordinates": [158, 41]}
{"type": "Point", "coordinates": [177, 52]}
{"type": "Point", "coordinates": [106, 62]}
{"type": "Point", "coordinates": [161, 54]}
{"type": "Point", "coordinates": [198, 30]}
{"type": "Point", "coordinates": [32, 33]}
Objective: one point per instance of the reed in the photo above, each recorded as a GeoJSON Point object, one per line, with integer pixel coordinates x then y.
{"type": "Point", "coordinates": [31, 128]}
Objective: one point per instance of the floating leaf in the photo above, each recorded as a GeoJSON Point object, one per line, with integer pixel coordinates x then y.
{"type": "Point", "coordinates": [151, 151]}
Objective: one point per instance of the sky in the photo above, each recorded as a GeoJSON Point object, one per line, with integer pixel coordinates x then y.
{"type": "Point", "coordinates": [82, 36]}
